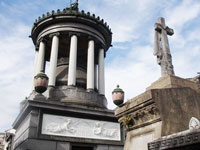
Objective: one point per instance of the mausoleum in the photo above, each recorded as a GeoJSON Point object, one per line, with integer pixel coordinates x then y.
{"type": "Point", "coordinates": [158, 119]}
{"type": "Point", "coordinates": [72, 113]}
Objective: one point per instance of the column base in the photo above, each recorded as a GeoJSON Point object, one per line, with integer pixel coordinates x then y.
{"type": "Point", "coordinates": [90, 90]}
{"type": "Point", "coordinates": [71, 86]}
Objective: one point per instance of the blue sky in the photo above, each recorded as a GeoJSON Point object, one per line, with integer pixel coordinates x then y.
{"type": "Point", "coordinates": [130, 62]}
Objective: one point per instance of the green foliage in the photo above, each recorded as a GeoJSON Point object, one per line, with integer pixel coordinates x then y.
{"type": "Point", "coordinates": [127, 121]}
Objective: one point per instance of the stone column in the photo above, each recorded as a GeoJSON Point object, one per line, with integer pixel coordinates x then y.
{"type": "Point", "coordinates": [90, 66]}
{"type": "Point", "coordinates": [101, 78]}
{"type": "Point", "coordinates": [53, 59]}
{"type": "Point", "coordinates": [72, 61]}
{"type": "Point", "coordinates": [40, 61]}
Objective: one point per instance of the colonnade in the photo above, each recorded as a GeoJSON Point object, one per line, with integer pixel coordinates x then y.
{"type": "Point", "coordinates": [39, 64]}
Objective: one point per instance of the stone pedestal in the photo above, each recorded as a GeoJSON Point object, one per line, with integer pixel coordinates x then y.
{"type": "Point", "coordinates": [52, 125]}
{"type": "Point", "coordinates": [165, 108]}
{"type": "Point", "coordinates": [170, 81]}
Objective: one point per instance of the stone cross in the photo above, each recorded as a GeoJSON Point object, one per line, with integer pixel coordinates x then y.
{"type": "Point", "coordinates": [161, 47]}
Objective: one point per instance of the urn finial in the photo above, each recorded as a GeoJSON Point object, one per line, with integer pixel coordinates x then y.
{"type": "Point", "coordinates": [118, 96]}
{"type": "Point", "coordinates": [41, 82]}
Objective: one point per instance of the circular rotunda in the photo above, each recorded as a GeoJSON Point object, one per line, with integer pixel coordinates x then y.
{"type": "Point", "coordinates": [75, 44]}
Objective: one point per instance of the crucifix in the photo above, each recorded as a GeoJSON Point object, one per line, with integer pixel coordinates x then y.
{"type": "Point", "coordinates": [161, 47]}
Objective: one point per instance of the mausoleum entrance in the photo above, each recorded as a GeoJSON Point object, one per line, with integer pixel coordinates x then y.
{"type": "Point", "coordinates": [82, 148]}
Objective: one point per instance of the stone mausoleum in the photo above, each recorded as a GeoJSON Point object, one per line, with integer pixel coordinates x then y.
{"type": "Point", "coordinates": [166, 116]}
{"type": "Point", "coordinates": [72, 113]}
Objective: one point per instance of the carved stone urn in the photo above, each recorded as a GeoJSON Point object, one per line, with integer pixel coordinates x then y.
{"type": "Point", "coordinates": [118, 96]}
{"type": "Point", "coordinates": [41, 82]}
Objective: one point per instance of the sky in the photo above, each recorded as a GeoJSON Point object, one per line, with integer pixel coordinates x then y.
{"type": "Point", "coordinates": [129, 63]}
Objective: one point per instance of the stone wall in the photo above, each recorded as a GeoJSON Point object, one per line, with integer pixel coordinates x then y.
{"type": "Point", "coordinates": [165, 108]}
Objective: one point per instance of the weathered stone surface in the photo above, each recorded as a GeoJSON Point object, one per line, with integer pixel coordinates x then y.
{"type": "Point", "coordinates": [132, 103]}
{"type": "Point", "coordinates": [168, 105]}
{"type": "Point", "coordinates": [27, 128]}
{"type": "Point", "coordinates": [102, 147]}
{"type": "Point", "coordinates": [170, 108]}
{"type": "Point", "coordinates": [142, 111]}
{"type": "Point", "coordinates": [29, 125]}
{"type": "Point", "coordinates": [170, 81]}
{"type": "Point", "coordinates": [115, 148]}
{"type": "Point", "coordinates": [138, 138]}
{"type": "Point", "coordinates": [161, 47]}
{"type": "Point", "coordinates": [186, 140]}
{"type": "Point", "coordinates": [177, 106]}
{"type": "Point", "coordinates": [63, 146]}
{"type": "Point", "coordinates": [67, 94]}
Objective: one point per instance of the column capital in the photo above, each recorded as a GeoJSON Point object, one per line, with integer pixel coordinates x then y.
{"type": "Point", "coordinates": [100, 46]}
{"type": "Point", "coordinates": [91, 38]}
{"type": "Point", "coordinates": [54, 34]}
{"type": "Point", "coordinates": [37, 47]}
{"type": "Point", "coordinates": [42, 39]}
{"type": "Point", "coordinates": [74, 33]}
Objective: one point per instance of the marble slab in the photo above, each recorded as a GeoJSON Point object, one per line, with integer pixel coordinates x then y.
{"type": "Point", "coordinates": [81, 128]}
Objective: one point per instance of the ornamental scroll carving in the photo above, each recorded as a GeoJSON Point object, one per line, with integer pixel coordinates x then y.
{"type": "Point", "coordinates": [194, 123]}
{"type": "Point", "coordinates": [140, 116]}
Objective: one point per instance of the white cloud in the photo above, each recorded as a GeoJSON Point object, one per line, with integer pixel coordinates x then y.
{"type": "Point", "coordinates": [194, 35]}
{"type": "Point", "coordinates": [134, 67]}
{"type": "Point", "coordinates": [133, 73]}
{"type": "Point", "coordinates": [15, 68]}
{"type": "Point", "coordinates": [178, 16]}
{"type": "Point", "coordinates": [127, 19]}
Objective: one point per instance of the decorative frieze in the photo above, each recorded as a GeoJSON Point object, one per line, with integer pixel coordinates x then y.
{"type": "Point", "coordinates": [80, 128]}
{"type": "Point", "coordinates": [176, 141]}
{"type": "Point", "coordinates": [140, 117]}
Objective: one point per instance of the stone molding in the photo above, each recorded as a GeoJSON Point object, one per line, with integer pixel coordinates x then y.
{"type": "Point", "coordinates": [140, 117]}
{"type": "Point", "coordinates": [66, 27]}
{"type": "Point", "coordinates": [54, 34]}
{"type": "Point", "coordinates": [133, 104]}
{"type": "Point", "coordinates": [80, 128]}
{"type": "Point", "coordinates": [184, 138]}
{"type": "Point", "coordinates": [42, 39]}
{"type": "Point", "coordinates": [74, 33]}
{"type": "Point", "coordinates": [171, 81]}
{"type": "Point", "coordinates": [66, 12]}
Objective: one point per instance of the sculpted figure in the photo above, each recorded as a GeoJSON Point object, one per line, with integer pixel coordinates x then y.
{"type": "Point", "coordinates": [161, 47]}
{"type": "Point", "coordinates": [99, 130]}
{"type": "Point", "coordinates": [57, 128]}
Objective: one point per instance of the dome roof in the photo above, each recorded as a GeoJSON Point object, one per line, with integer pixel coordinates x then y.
{"type": "Point", "coordinates": [72, 14]}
